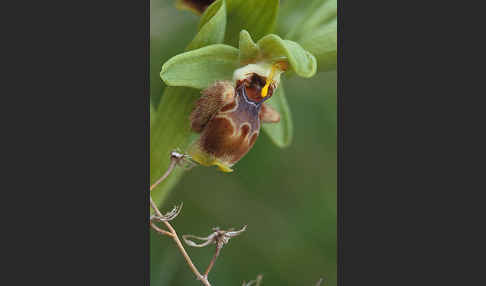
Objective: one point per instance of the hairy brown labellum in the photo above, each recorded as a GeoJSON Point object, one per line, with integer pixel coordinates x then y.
{"type": "Point", "coordinates": [228, 118]}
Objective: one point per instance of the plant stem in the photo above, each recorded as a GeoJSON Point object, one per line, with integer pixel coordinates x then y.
{"type": "Point", "coordinates": [216, 254]}
{"type": "Point", "coordinates": [172, 164]}
{"type": "Point", "coordinates": [159, 230]}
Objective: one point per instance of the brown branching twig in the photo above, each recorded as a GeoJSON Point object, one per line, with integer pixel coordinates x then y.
{"type": "Point", "coordinates": [175, 158]}
{"type": "Point", "coordinates": [218, 237]}
{"type": "Point", "coordinates": [173, 234]}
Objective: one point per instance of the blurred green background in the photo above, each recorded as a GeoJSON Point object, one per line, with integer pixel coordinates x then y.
{"type": "Point", "coordinates": [287, 197]}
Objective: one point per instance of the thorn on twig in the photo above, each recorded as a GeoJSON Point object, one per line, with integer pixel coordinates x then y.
{"type": "Point", "coordinates": [254, 282]}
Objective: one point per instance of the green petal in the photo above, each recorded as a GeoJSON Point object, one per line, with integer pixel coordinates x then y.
{"type": "Point", "coordinates": [202, 67]}
{"type": "Point", "coordinates": [280, 133]}
{"type": "Point", "coordinates": [301, 62]}
{"type": "Point", "coordinates": [256, 16]}
{"type": "Point", "coordinates": [249, 51]}
{"type": "Point", "coordinates": [212, 27]}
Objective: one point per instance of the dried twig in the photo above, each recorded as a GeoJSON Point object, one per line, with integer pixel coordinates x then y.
{"type": "Point", "coordinates": [159, 230]}
{"type": "Point", "coordinates": [168, 216]}
{"type": "Point", "coordinates": [218, 237]}
{"type": "Point", "coordinates": [176, 158]}
{"type": "Point", "coordinates": [173, 234]}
